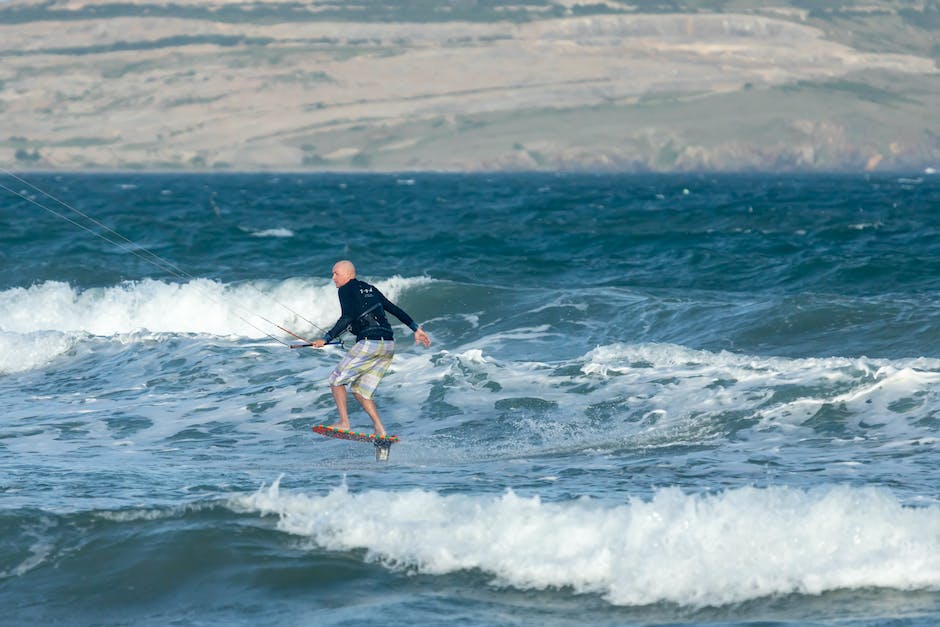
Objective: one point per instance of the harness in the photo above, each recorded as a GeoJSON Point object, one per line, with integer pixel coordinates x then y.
{"type": "Point", "coordinates": [373, 322]}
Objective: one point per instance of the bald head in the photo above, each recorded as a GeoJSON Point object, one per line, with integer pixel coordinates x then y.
{"type": "Point", "coordinates": [343, 272]}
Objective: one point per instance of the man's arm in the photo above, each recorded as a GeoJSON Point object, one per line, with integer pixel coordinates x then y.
{"type": "Point", "coordinates": [398, 312]}
{"type": "Point", "coordinates": [420, 336]}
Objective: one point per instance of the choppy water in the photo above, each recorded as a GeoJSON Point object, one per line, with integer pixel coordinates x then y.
{"type": "Point", "coordinates": [649, 399]}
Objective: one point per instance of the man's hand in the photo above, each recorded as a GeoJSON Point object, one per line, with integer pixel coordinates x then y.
{"type": "Point", "coordinates": [318, 343]}
{"type": "Point", "coordinates": [422, 338]}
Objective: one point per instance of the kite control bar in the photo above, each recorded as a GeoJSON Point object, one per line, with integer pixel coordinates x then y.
{"type": "Point", "coordinates": [308, 344]}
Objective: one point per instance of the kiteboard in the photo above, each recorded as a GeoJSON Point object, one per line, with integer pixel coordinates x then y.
{"type": "Point", "coordinates": [382, 443]}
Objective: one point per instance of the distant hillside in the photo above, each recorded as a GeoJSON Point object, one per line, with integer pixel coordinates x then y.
{"type": "Point", "coordinates": [470, 85]}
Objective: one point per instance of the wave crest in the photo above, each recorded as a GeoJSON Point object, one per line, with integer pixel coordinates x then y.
{"type": "Point", "coordinates": [43, 321]}
{"type": "Point", "coordinates": [693, 550]}
{"type": "Point", "coordinates": [197, 306]}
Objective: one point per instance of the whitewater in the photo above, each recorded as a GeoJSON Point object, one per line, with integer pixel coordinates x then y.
{"type": "Point", "coordinates": [650, 399]}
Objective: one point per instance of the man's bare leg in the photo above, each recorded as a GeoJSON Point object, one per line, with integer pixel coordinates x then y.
{"type": "Point", "coordinates": [369, 405]}
{"type": "Point", "coordinates": [339, 397]}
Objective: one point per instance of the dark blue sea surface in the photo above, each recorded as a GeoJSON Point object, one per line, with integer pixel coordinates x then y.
{"type": "Point", "coordinates": [649, 399]}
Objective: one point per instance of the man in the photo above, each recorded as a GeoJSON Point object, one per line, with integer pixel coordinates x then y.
{"type": "Point", "coordinates": [363, 309]}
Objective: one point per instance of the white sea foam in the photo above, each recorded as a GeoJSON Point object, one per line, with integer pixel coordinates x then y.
{"type": "Point", "coordinates": [199, 306]}
{"type": "Point", "coordinates": [41, 322]}
{"type": "Point", "coordinates": [880, 390]}
{"type": "Point", "coordinates": [278, 232]}
{"type": "Point", "coordinates": [25, 351]}
{"type": "Point", "coordinates": [39, 552]}
{"type": "Point", "coordinates": [694, 550]}
{"type": "Point", "coordinates": [647, 395]}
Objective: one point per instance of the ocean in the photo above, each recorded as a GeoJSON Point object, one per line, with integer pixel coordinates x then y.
{"type": "Point", "coordinates": [650, 399]}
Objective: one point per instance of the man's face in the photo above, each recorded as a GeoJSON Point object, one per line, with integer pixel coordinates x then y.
{"type": "Point", "coordinates": [341, 275]}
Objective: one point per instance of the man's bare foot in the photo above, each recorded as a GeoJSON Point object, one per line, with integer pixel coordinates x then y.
{"type": "Point", "coordinates": [340, 426]}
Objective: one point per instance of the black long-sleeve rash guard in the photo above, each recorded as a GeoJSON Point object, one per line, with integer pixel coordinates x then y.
{"type": "Point", "coordinates": [363, 309]}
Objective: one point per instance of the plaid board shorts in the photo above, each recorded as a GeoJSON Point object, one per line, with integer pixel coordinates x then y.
{"type": "Point", "coordinates": [364, 366]}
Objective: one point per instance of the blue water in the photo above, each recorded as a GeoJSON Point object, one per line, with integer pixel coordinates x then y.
{"type": "Point", "coordinates": [650, 399]}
